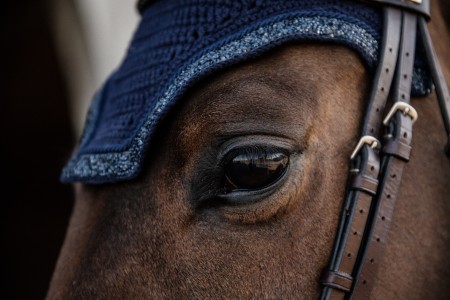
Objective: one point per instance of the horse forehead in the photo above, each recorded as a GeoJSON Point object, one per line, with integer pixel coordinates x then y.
{"type": "Point", "coordinates": [273, 85]}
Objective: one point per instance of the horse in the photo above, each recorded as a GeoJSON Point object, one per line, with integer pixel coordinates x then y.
{"type": "Point", "coordinates": [173, 233]}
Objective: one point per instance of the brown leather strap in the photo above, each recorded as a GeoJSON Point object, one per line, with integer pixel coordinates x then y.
{"type": "Point", "coordinates": [349, 277]}
{"type": "Point", "coordinates": [384, 73]}
{"type": "Point", "coordinates": [371, 226]}
{"type": "Point", "coordinates": [396, 154]}
{"type": "Point", "coordinates": [383, 217]}
{"type": "Point", "coordinates": [363, 180]}
{"type": "Point", "coordinates": [350, 238]}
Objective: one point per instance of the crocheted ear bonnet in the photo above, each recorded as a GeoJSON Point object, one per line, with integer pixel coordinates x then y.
{"type": "Point", "coordinates": [179, 42]}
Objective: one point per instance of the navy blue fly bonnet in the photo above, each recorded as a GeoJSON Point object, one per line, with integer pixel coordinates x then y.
{"type": "Point", "coordinates": [179, 42]}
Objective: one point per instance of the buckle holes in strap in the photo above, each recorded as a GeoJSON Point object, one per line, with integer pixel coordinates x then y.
{"type": "Point", "coordinates": [372, 260]}
{"type": "Point", "coordinates": [364, 281]}
{"type": "Point", "coordinates": [383, 218]}
{"type": "Point", "coordinates": [349, 255]}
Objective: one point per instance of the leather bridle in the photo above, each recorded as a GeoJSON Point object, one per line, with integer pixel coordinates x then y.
{"type": "Point", "coordinates": [377, 167]}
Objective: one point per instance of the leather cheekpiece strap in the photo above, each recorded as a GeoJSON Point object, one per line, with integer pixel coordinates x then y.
{"type": "Point", "coordinates": [369, 207]}
{"type": "Point", "coordinates": [365, 234]}
{"type": "Point", "coordinates": [363, 179]}
{"type": "Point", "coordinates": [395, 155]}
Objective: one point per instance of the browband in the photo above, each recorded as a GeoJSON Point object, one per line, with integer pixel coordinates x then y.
{"type": "Point", "coordinates": [418, 6]}
{"type": "Point", "coordinates": [376, 168]}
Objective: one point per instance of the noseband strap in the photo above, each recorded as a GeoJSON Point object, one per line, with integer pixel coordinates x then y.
{"type": "Point", "coordinates": [376, 170]}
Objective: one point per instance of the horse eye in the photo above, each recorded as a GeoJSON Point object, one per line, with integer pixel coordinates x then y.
{"type": "Point", "coordinates": [254, 170]}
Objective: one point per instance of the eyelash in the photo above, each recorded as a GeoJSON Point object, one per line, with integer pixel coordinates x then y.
{"type": "Point", "coordinates": [251, 150]}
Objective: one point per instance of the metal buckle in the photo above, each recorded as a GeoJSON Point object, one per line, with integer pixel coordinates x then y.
{"type": "Point", "coordinates": [416, 1]}
{"type": "Point", "coordinates": [405, 108]}
{"type": "Point", "coordinates": [365, 140]}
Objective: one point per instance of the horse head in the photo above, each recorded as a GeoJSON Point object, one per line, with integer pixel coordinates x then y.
{"type": "Point", "coordinates": [240, 191]}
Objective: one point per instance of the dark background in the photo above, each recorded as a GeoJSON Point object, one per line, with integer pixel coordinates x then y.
{"type": "Point", "coordinates": [36, 140]}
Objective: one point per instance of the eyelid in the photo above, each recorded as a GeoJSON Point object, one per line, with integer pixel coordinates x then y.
{"type": "Point", "coordinates": [259, 142]}
{"type": "Point", "coordinates": [252, 150]}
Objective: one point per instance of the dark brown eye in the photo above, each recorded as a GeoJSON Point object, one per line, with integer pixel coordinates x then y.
{"type": "Point", "coordinates": [254, 169]}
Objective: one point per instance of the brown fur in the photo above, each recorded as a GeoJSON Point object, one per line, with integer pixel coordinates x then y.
{"type": "Point", "coordinates": [156, 238]}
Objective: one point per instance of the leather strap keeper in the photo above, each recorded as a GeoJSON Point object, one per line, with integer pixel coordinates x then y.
{"type": "Point", "coordinates": [364, 183]}
{"type": "Point", "coordinates": [398, 149]}
{"type": "Point", "coordinates": [337, 280]}
{"type": "Point", "coordinates": [418, 6]}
